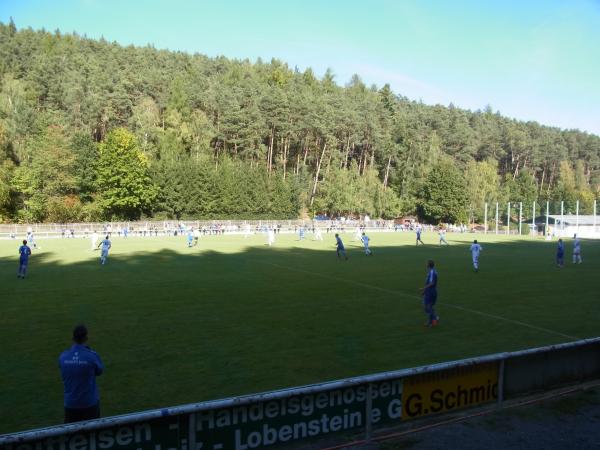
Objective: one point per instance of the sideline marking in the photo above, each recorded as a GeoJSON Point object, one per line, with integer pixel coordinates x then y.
{"type": "Point", "coordinates": [404, 294]}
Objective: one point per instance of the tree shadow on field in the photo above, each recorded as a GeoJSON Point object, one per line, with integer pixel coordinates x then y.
{"type": "Point", "coordinates": [231, 317]}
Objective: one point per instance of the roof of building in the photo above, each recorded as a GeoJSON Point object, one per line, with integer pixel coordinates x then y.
{"type": "Point", "coordinates": [573, 219]}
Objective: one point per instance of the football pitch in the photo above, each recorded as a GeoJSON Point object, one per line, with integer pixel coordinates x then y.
{"type": "Point", "coordinates": [232, 316]}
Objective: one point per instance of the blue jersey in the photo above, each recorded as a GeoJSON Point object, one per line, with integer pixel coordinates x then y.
{"type": "Point", "coordinates": [432, 277]}
{"type": "Point", "coordinates": [340, 244]}
{"type": "Point", "coordinates": [560, 250]}
{"type": "Point", "coordinates": [79, 367]}
{"type": "Point", "coordinates": [24, 253]}
{"type": "Point", "coordinates": [418, 234]}
{"type": "Point", "coordinates": [190, 236]}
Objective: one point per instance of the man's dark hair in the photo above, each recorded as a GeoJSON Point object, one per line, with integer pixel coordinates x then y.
{"type": "Point", "coordinates": [24, 241]}
{"type": "Point", "coordinates": [80, 334]}
{"type": "Point", "coordinates": [475, 241]}
{"type": "Point", "coordinates": [430, 264]}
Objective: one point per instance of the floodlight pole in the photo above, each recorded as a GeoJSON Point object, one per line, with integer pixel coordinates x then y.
{"type": "Point", "coordinates": [594, 229]}
{"type": "Point", "coordinates": [562, 217]}
{"type": "Point", "coordinates": [533, 220]}
{"type": "Point", "coordinates": [485, 219]}
{"type": "Point", "coordinates": [508, 220]}
{"type": "Point", "coordinates": [520, 216]}
{"type": "Point", "coordinates": [547, 209]}
{"type": "Point", "coordinates": [496, 217]}
{"type": "Point", "coordinates": [577, 215]}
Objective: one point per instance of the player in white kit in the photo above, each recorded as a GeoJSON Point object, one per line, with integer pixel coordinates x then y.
{"type": "Point", "coordinates": [576, 250]}
{"type": "Point", "coordinates": [270, 236]}
{"type": "Point", "coordinates": [365, 240]}
{"type": "Point", "coordinates": [475, 251]}
{"type": "Point", "coordinates": [94, 240]}
{"type": "Point", "coordinates": [318, 234]}
{"type": "Point", "coordinates": [105, 247]}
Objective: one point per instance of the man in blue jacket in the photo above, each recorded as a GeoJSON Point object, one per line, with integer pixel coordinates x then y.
{"type": "Point", "coordinates": [429, 292]}
{"type": "Point", "coordinates": [79, 367]}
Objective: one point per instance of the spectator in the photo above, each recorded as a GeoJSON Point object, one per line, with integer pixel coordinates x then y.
{"type": "Point", "coordinates": [79, 367]}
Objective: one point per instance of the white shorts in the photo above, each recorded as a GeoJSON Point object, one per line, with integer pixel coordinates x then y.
{"type": "Point", "coordinates": [104, 253]}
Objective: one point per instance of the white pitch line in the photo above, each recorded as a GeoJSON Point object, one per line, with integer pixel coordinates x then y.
{"type": "Point", "coordinates": [404, 294]}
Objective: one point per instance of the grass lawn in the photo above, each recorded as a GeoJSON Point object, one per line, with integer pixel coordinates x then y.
{"type": "Point", "coordinates": [231, 316]}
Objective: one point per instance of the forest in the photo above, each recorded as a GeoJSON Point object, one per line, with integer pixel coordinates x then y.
{"type": "Point", "coordinates": [92, 130]}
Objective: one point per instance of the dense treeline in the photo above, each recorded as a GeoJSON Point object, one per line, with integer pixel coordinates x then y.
{"type": "Point", "coordinates": [91, 130]}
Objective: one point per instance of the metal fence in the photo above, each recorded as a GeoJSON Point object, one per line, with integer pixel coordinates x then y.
{"type": "Point", "coordinates": [298, 415]}
{"type": "Point", "coordinates": [173, 228]}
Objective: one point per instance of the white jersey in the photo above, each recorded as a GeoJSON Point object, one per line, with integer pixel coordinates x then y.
{"type": "Point", "coordinates": [577, 246]}
{"type": "Point", "coordinates": [475, 250]}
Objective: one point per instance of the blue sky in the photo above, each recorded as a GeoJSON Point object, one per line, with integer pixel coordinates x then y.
{"type": "Point", "coordinates": [533, 60]}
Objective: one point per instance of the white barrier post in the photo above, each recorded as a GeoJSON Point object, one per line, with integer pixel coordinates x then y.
{"type": "Point", "coordinates": [577, 215]}
{"type": "Point", "coordinates": [485, 219]}
{"type": "Point", "coordinates": [533, 220]}
{"type": "Point", "coordinates": [547, 209]}
{"type": "Point", "coordinates": [562, 217]}
{"type": "Point", "coordinates": [594, 229]}
{"type": "Point", "coordinates": [520, 216]}
{"type": "Point", "coordinates": [496, 217]}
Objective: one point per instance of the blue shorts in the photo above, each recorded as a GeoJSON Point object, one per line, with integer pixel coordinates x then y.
{"type": "Point", "coordinates": [430, 298]}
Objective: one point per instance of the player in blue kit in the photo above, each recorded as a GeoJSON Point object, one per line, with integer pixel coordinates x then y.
{"type": "Point", "coordinates": [560, 253]}
{"type": "Point", "coordinates": [418, 230]}
{"type": "Point", "coordinates": [24, 253]}
{"type": "Point", "coordinates": [341, 250]}
{"type": "Point", "coordinates": [429, 292]}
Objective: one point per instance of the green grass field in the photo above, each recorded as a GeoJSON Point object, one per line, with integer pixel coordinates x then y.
{"type": "Point", "coordinates": [232, 316]}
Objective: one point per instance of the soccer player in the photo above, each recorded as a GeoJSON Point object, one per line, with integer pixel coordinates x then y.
{"type": "Point", "coordinates": [94, 240]}
{"type": "Point", "coordinates": [270, 236]}
{"type": "Point", "coordinates": [301, 233]}
{"type": "Point", "coordinates": [318, 234]}
{"type": "Point", "coordinates": [419, 235]}
{"type": "Point", "coordinates": [105, 247]}
{"type": "Point", "coordinates": [357, 235]}
{"type": "Point", "coordinates": [576, 250]}
{"type": "Point", "coordinates": [341, 250]}
{"type": "Point", "coordinates": [190, 237]}
{"type": "Point", "coordinates": [475, 251]}
{"type": "Point", "coordinates": [24, 253]}
{"type": "Point", "coordinates": [365, 240]}
{"type": "Point", "coordinates": [560, 254]}
{"type": "Point", "coordinates": [246, 230]}
{"type": "Point", "coordinates": [429, 292]}
{"type": "Point", "coordinates": [30, 238]}
{"type": "Point", "coordinates": [442, 234]}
